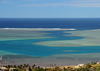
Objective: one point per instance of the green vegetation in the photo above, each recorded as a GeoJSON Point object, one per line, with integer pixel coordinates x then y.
{"type": "Point", "coordinates": [87, 67]}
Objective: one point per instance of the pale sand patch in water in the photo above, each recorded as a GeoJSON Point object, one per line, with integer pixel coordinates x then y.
{"type": "Point", "coordinates": [92, 38]}
{"type": "Point", "coordinates": [7, 53]}
{"type": "Point", "coordinates": [6, 35]}
{"type": "Point", "coordinates": [70, 51]}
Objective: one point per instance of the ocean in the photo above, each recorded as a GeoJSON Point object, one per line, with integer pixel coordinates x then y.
{"type": "Point", "coordinates": [77, 23]}
{"type": "Point", "coordinates": [47, 45]}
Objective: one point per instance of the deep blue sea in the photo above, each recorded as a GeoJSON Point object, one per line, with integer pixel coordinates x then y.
{"type": "Point", "coordinates": [20, 46]}
{"type": "Point", "coordinates": [77, 23]}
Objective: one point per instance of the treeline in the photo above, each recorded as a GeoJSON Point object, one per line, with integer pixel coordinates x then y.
{"type": "Point", "coordinates": [87, 67]}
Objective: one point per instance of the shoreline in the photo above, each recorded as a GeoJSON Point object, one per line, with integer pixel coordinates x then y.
{"type": "Point", "coordinates": [45, 61]}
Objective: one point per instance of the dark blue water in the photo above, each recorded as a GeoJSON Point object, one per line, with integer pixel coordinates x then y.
{"type": "Point", "coordinates": [20, 46]}
{"type": "Point", "coordinates": [77, 23]}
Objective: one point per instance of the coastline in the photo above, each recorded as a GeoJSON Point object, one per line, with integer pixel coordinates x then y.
{"type": "Point", "coordinates": [45, 61]}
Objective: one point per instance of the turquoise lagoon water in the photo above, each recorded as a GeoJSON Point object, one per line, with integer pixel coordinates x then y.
{"type": "Point", "coordinates": [48, 54]}
{"type": "Point", "coordinates": [26, 47]}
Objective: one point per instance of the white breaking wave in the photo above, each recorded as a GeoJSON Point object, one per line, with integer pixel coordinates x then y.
{"type": "Point", "coordinates": [37, 29]}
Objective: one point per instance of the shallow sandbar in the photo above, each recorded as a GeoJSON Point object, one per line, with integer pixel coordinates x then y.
{"type": "Point", "coordinates": [92, 38]}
